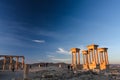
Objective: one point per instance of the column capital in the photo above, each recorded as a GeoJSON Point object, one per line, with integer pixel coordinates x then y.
{"type": "Point", "coordinates": [102, 49]}
{"type": "Point", "coordinates": [85, 52]}
{"type": "Point", "coordinates": [92, 46]}
{"type": "Point", "coordinates": [75, 50]}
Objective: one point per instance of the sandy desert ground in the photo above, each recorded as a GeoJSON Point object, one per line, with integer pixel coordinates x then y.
{"type": "Point", "coordinates": [51, 73]}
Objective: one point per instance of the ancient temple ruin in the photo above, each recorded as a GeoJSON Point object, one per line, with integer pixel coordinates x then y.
{"type": "Point", "coordinates": [10, 63]}
{"type": "Point", "coordinates": [93, 58]}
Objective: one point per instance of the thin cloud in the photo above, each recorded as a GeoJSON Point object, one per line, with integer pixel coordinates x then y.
{"type": "Point", "coordinates": [39, 41]}
{"type": "Point", "coordinates": [50, 56]}
{"type": "Point", "coordinates": [62, 51]}
{"type": "Point", "coordinates": [56, 59]}
{"type": "Point", "coordinates": [60, 59]}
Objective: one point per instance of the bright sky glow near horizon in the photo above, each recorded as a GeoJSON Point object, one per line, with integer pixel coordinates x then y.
{"type": "Point", "coordinates": [45, 30]}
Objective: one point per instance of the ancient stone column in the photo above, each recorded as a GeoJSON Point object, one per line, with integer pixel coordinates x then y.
{"type": "Point", "coordinates": [10, 66]}
{"type": "Point", "coordinates": [75, 60]}
{"type": "Point", "coordinates": [92, 57]}
{"type": "Point", "coordinates": [83, 59]}
{"type": "Point", "coordinates": [107, 58]}
{"type": "Point", "coordinates": [4, 63]}
{"type": "Point", "coordinates": [86, 59]}
{"type": "Point", "coordinates": [89, 58]}
{"type": "Point", "coordinates": [72, 59]}
{"type": "Point", "coordinates": [100, 57]}
{"type": "Point", "coordinates": [17, 62]}
{"type": "Point", "coordinates": [22, 62]}
{"type": "Point", "coordinates": [97, 58]}
{"type": "Point", "coordinates": [74, 54]}
{"type": "Point", "coordinates": [103, 58]}
{"type": "Point", "coordinates": [78, 57]}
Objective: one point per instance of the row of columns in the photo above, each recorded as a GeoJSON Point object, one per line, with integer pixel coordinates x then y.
{"type": "Point", "coordinates": [97, 57]}
{"type": "Point", "coordinates": [85, 59]}
{"type": "Point", "coordinates": [93, 57]}
{"type": "Point", "coordinates": [75, 57]}
{"type": "Point", "coordinates": [103, 58]}
{"type": "Point", "coordinates": [11, 61]}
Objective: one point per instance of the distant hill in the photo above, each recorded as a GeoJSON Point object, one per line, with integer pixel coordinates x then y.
{"type": "Point", "coordinates": [42, 64]}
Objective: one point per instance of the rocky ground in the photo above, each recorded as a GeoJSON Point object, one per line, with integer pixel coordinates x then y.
{"type": "Point", "coordinates": [52, 73]}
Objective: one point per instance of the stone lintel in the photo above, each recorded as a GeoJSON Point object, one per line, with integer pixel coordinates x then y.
{"type": "Point", "coordinates": [85, 52]}
{"type": "Point", "coordinates": [74, 50]}
{"type": "Point", "coordinates": [10, 56]}
{"type": "Point", "coordinates": [102, 49]}
{"type": "Point", "coordinates": [92, 46]}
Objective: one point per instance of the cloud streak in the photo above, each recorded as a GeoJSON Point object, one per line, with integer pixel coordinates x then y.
{"type": "Point", "coordinates": [60, 59]}
{"type": "Point", "coordinates": [56, 59]}
{"type": "Point", "coordinates": [62, 51]}
{"type": "Point", "coordinates": [39, 41]}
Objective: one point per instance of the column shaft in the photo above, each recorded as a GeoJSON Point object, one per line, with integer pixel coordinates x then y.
{"type": "Point", "coordinates": [23, 62]}
{"type": "Point", "coordinates": [89, 57]}
{"type": "Point", "coordinates": [17, 62]}
{"type": "Point", "coordinates": [100, 57]}
{"type": "Point", "coordinates": [86, 59]}
{"type": "Point", "coordinates": [4, 63]}
{"type": "Point", "coordinates": [79, 58]}
{"type": "Point", "coordinates": [97, 58]}
{"type": "Point", "coordinates": [83, 59]}
{"type": "Point", "coordinates": [107, 57]}
{"type": "Point", "coordinates": [92, 55]}
{"type": "Point", "coordinates": [74, 59]}
{"type": "Point", "coordinates": [10, 66]}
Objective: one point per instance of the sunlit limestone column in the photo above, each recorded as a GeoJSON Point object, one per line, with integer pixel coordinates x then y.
{"type": "Point", "coordinates": [23, 62]}
{"type": "Point", "coordinates": [85, 59]}
{"type": "Point", "coordinates": [72, 59]}
{"type": "Point", "coordinates": [17, 62]}
{"type": "Point", "coordinates": [102, 64]}
{"type": "Point", "coordinates": [90, 57]}
{"type": "Point", "coordinates": [100, 57]}
{"type": "Point", "coordinates": [92, 54]}
{"type": "Point", "coordinates": [74, 52]}
{"type": "Point", "coordinates": [103, 58]}
{"type": "Point", "coordinates": [78, 56]}
{"type": "Point", "coordinates": [89, 61]}
{"type": "Point", "coordinates": [10, 66]}
{"type": "Point", "coordinates": [75, 60]}
{"type": "Point", "coordinates": [4, 62]}
{"type": "Point", "coordinates": [106, 56]}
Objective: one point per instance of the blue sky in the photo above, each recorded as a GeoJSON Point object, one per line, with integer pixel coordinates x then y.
{"type": "Point", "coordinates": [45, 30]}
